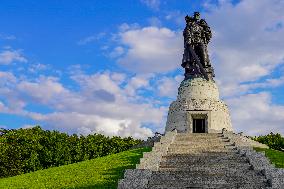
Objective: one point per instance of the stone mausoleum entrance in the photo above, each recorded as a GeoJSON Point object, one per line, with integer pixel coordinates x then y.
{"type": "Point", "coordinates": [198, 126]}
{"type": "Point", "coordinates": [198, 121]}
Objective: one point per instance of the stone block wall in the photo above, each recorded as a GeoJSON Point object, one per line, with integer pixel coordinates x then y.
{"type": "Point", "coordinates": [181, 112]}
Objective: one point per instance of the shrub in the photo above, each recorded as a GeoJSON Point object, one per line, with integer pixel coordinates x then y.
{"type": "Point", "coordinates": [274, 141]}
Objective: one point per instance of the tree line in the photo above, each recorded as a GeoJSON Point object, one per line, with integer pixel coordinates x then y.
{"type": "Point", "coordinates": [26, 150]}
{"type": "Point", "coordinates": [274, 141]}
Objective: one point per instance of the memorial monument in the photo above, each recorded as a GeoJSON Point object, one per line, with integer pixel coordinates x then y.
{"type": "Point", "coordinates": [198, 108]}
{"type": "Point", "coordinates": [199, 149]}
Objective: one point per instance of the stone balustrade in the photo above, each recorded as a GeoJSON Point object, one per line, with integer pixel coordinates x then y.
{"type": "Point", "coordinates": [138, 178]}
{"type": "Point", "coordinates": [258, 160]}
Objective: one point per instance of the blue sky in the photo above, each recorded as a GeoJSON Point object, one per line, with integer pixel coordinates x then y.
{"type": "Point", "coordinates": [113, 67]}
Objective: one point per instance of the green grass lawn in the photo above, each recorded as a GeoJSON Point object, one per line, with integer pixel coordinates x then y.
{"type": "Point", "coordinates": [103, 172]}
{"type": "Point", "coordinates": [276, 157]}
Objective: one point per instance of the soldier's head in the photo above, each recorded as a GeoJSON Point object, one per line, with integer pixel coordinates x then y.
{"type": "Point", "coordinates": [196, 15]}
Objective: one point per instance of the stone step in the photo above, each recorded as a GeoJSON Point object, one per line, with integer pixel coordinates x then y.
{"type": "Point", "coordinates": [215, 186]}
{"type": "Point", "coordinates": [213, 145]}
{"type": "Point", "coordinates": [202, 147]}
{"type": "Point", "coordinates": [226, 155]}
{"type": "Point", "coordinates": [204, 140]}
{"type": "Point", "coordinates": [194, 161]}
{"type": "Point", "coordinates": [206, 154]}
{"type": "Point", "coordinates": [195, 151]}
{"type": "Point", "coordinates": [205, 180]}
{"type": "Point", "coordinates": [197, 139]}
{"type": "Point", "coordinates": [200, 134]}
{"type": "Point", "coordinates": [185, 175]}
{"type": "Point", "coordinates": [196, 135]}
{"type": "Point", "coordinates": [199, 147]}
{"type": "Point", "coordinates": [200, 161]}
{"type": "Point", "coordinates": [193, 144]}
{"type": "Point", "coordinates": [232, 181]}
{"type": "Point", "coordinates": [212, 167]}
{"type": "Point", "coordinates": [203, 160]}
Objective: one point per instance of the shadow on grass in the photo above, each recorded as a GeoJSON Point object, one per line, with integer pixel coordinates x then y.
{"type": "Point", "coordinates": [117, 173]}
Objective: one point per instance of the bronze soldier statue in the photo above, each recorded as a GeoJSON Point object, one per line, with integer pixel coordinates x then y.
{"type": "Point", "coordinates": [197, 35]}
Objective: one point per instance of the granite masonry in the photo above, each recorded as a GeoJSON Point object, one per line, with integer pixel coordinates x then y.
{"type": "Point", "coordinates": [198, 99]}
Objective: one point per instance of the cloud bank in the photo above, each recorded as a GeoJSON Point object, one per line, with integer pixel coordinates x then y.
{"type": "Point", "coordinates": [246, 50]}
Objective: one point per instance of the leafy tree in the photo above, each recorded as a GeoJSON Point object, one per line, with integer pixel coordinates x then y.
{"type": "Point", "coordinates": [274, 141]}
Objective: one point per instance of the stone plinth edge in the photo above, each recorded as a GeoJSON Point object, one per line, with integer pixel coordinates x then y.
{"type": "Point", "coordinates": [151, 160]}
{"type": "Point", "coordinates": [138, 178]}
{"type": "Point", "coordinates": [242, 141]}
{"type": "Point", "coordinates": [257, 160]}
{"type": "Point", "coordinates": [135, 178]}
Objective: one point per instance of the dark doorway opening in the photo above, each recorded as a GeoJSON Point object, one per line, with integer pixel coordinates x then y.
{"type": "Point", "coordinates": [198, 125]}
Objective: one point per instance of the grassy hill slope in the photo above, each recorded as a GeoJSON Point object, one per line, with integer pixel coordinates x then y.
{"type": "Point", "coordinates": [276, 157]}
{"type": "Point", "coordinates": [102, 172]}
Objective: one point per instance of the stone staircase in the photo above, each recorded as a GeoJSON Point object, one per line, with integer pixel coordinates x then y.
{"type": "Point", "coordinates": [204, 161]}
{"type": "Point", "coordinates": [197, 161]}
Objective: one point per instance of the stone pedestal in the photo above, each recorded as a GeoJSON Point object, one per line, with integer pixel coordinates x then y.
{"type": "Point", "coordinates": [198, 99]}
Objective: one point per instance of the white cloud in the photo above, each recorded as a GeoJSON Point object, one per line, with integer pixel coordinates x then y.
{"type": "Point", "coordinates": [28, 126]}
{"type": "Point", "coordinates": [45, 90]}
{"type": "Point", "coordinates": [153, 4]}
{"type": "Point", "coordinates": [9, 56]}
{"type": "Point", "coordinates": [154, 21]}
{"type": "Point", "coordinates": [12, 103]}
{"type": "Point", "coordinates": [137, 82]}
{"type": "Point", "coordinates": [7, 37]}
{"type": "Point", "coordinates": [101, 104]}
{"type": "Point", "coordinates": [168, 86]}
{"type": "Point", "coordinates": [151, 50]}
{"type": "Point", "coordinates": [243, 48]}
{"type": "Point", "coordinates": [87, 124]}
{"type": "Point", "coordinates": [6, 78]}
{"type": "Point", "coordinates": [118, 51]}
{"type": "Point", "coordinates": [91, 38]}
{"type": "Point", "coordinates": [255, 114]}
{"type": "Point", "coordinates": [235, 89]}
{"type": "Point", "coordinates": [118, 77]}
{"type": "Point", "coordinates": [3, 126]}
{"type": "Point", "coordinates": [2, 107]}
{"type": "Point", "coordinates": [35, 68]}
{"type": "Point", "coordinates": [176, 16]}
{"type": "Point", "coordinates": [111, 114]}
{"type": "Point", "coordinates": [124, 27]}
